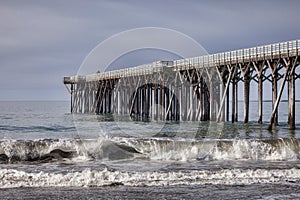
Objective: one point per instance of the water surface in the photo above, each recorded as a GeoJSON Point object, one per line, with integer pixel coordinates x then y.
{"type": "Point", "coordinates": [43, 145]}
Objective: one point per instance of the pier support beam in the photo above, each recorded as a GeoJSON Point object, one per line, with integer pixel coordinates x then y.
{"type": "Point", "coordinates": [202, 99]}
{"type": "Point", "coordinates": [274, 113]}
{"type": "Point", "coordinates": [245, 71]}
{"type": "Point", "coordinates": [162, 102]}
{"type": "Point", "coordinates": [227, 106]}
{"type": "Point", "coordinates": [291, 96]}
{"type": "Point", "coordinates": [225, 94]}
{"type": "Point", "coordinates": [291, 101]}
{"type": "Point", "coordinates": [72, 96]}
{"type": "Point", "coordinates": [274, 69]}
{"type": "Point", "coordinates": [260, 99]}
{"type": "Point", "coordinates": [212, 91]}
{"type": "Point", "coordinates": [259, 70]}
{"type": "Point", "coordinates": [234, 115]}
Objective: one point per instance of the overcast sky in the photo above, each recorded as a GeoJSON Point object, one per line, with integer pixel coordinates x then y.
{"type": "Point", "coordinates": [42, 41]}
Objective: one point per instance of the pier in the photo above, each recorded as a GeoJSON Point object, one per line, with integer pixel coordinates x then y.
{"type": "Point", "coordinates": [193, 89]}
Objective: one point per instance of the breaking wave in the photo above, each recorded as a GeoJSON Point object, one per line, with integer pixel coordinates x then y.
{"type": "Point", "coordinates": [162, 149]}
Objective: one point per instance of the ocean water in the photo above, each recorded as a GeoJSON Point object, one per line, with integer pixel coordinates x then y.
{"type": "Point", "coordinates": [48, 153]}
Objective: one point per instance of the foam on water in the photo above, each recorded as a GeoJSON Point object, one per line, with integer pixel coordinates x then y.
{"type": "Point", "coordinates": [243, 149]}
{"type": "Point", "coordinates": [91, 178]}
{"type": "Point", "coordinates": [258, 150]}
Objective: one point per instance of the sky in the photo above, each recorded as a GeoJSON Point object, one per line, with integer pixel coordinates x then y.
{"type": "Point", "coordinates": [43, 41]}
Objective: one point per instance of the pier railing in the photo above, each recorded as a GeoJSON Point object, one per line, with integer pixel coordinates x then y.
{"type": "Point", "coordinates": [277, 50]}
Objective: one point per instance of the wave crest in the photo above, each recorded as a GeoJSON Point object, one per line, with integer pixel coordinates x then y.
{"type": "Point", "coordinates": [163, 149]}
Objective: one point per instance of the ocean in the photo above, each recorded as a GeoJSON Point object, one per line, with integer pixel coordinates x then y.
{"type": "Point", "coordinates": [48, 153]}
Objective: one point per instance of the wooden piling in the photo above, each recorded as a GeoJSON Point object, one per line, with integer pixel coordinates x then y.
{"type": "Point", "coordinates": [275, 91]}
{"type": "Point", "coordinates": [275, 109]}
{"type": "Point", "coordinates": [291, 101]}
{"type": "Point", "coordinates": [259, 69]}
{"type": "Point", "coordinates": [233, 100]}
{"type": "Point", "coordinates": [246, 93]}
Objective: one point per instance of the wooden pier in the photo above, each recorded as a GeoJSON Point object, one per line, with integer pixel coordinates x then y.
{"type": "Point", "coordinates": [193, 89]}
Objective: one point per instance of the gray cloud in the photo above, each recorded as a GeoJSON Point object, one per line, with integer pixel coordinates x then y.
{"type": "Point", "coordinates": [42, 41]}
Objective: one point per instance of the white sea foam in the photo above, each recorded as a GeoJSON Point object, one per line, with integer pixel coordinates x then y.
{"type": "Point", "coordinates": [272, 150]}
{"type": "Point", "coordinates": [90, 178]}
{"type": "Point", "coordinates": [255, 150]}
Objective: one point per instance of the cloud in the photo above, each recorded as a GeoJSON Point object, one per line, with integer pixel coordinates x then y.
{"type": "Point", "coordinates": [42, 41]}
